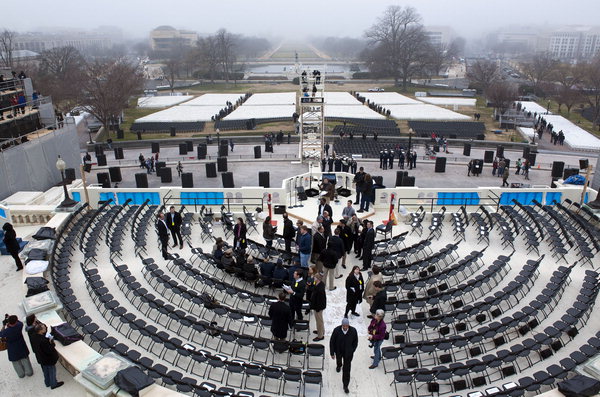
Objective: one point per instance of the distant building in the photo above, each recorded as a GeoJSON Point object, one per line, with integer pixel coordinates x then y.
{"type": "Point", "coordinates": [38, 41]}
{"type": "Point", "coordinates": [575, 42]}
{"type": "Point", "coordinates": [166, 38]}
{"type": "Point", "coordinates": [440, 35]}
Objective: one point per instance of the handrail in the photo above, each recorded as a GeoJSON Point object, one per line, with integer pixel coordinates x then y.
{"type": "Point", "coordinates": [431, 200]}
{"type": "Point", "coordinates": [228, 202]}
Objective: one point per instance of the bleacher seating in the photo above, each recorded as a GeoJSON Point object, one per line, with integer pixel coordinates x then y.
{"type": "Point", "coordinates": [369, 148]}
{"type": "Point", "coordinates": [246, 124]}
{"type": "Point", "coordinates": [358, 130]}
{"type": "Point", "coordinates": [449, 129]}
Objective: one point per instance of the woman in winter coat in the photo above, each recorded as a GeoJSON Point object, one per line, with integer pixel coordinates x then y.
{"type": "Point", "coordinates": [355, 287]}
{"type": "Point", "coordinates": [11, 243]}
{"type": "Point", "coordinates": [377, 330]}
{"type": "Point", "coordinates": [268, 232]}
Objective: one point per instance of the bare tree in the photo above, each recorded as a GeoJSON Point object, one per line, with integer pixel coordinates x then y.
{"type": "Point", "coordinates": [225, 44]}
{"type": "Point", "coordinates": [567, 96]}
{"type": "Point", "coordinates": [591, 87]}
{"type": "Point", "coordinates": [482, 74]}
{"type": "Point", "coordinates": [502, 95]}
{"type": "Point", "coordinates": [539, 69]}
{"type": "Point", "coordinates": [108, 86]}
{"type": "Point", "coordinates": [400, 41]}
{"type": "Point", "coordinates": [7, 48]}
{"type": "Point", "coordinates": [60, 74]}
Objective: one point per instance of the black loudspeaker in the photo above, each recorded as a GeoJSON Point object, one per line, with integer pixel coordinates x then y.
{"type": "Point", "coordinates": [467, 149]}
{"type": "Point", "coordinates": [202, 151]}
{"type": "Point", "coordinates": [227, 178]}
{"type": "Point", "coordinates": [440, 164]}
{"type": "Point", "coordinates": [570, 171]}
{"type": "Point", "coordinates": [301, 193]}
{"type": "Point", "coordinates": [99, 150]}
{"type": "Point", "coordinates": [399, 177]}
{"type": "Point", "coordinates": [500, 151]}
{"type": "Point", "coordinates": [101, 159]}
{"type": "Point", "coordinates": [104, 179]}
{"type": "Point", "coordinates": [190, 146]}
{"type": "Point", "coordinates": [279, 209]}
{"type": "Point", "coordinates": [211, 170]}
{"type": "Point", "coordinates": [488, 156]}
{"type": "Point", "coordinates": [187, 179]}
{"type": "Point", "coordinates": [119, 153]}
{"type": "Point", "coordinates": [557, 169]}
{"type": "Point", "coordinates": [222, 164]}
{"type": "Point", "coordinates": [120, 134]}
{"type": "Point", "coordinates": [223, 150]}
{"type": "Point", "coordinates": [173, 132]}
{"type": "Point", "coordinates": [165, 175]}
{"type": "Point", "coordinates": [264, 179]}
{"type": "Point", "coordinates": [378, 180]}
{"type": "Point", "coordinates": [158, 165]}
{"type": "Point", "coordinates": [532, 157]}
{"type": "Point", "coordinates": [115, 174]}
{"type": "Point", "coordinates": [183, 148]}
{"type": "Point", "coordinates": [408, 181]}
{"type": "Point", "coordinates": [526, 151]}
{"type": "Point", "coordinates": [141, 180]}
{"type": "Point", "coordinates": [70, 174]}
{"type": "Point", "coordinates": [257, 153]}
{"type": "Point", "coordinates": [583, 164]}
{"type": "Point", "coordinates": [155, 147]}
{"type": "Point", "coordinates": [436, 148]}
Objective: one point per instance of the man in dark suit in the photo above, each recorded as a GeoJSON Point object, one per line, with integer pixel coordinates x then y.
{"type": "Point", "coordinates": [281, 317]}
{"type": "Point", "coordinates": [318, 303]}
{"type": "Point", "coordinates": [174, 225]}
{"type": "Point", "coordinates": [327, 222]}
{"type": "Point", "coordinates": [323, 206]}
{"type": "Point", "coordinates": [337, 244]}
{"type": "Point", "coordinates": [288, 232]}
{"type": "Point", "coordinates": [296, 291]}
{"type": "Point", "coordinates": [318, 244]}
{"type": "Point", "coordinates": [367, 253]}
{"type": "Point", "coordinates": [342, 345]}
{"type": "Point", "coordinates": [163, 235]}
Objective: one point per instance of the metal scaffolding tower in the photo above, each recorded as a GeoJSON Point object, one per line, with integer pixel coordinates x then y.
{"type": "Point", "coordinates": [312, 115]}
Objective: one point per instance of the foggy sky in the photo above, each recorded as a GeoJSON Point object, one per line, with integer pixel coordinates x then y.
{"type": "Point", "coordinates": [290, 19]}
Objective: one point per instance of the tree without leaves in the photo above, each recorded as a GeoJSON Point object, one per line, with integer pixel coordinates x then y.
{"type": "Point", "coordinates": [60, 74]}
{"type": "Point", "coordinates": [400, 43]}
{"type": "Point", "coordinates": [225, 45]}
{"type": "Point", "coordinates": [207, 57]}
{"type": "Point", "coordinates": [108, 86]}
{"type": "Point", "coordinates": [482, 74]}
{"type": "Point", "coordinates": [539, 69]}
{"type": "Point", "coordinates": [567, 96]}
{"type": "Point", "coordinates": [502, 95]}
{"type": "Point", "coordinates": [591, 87]}
{"type": "Point", "coordinates": [7, 48]}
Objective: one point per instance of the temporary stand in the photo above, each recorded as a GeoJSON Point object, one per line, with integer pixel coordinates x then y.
{"type": "Point", "coordinates": [312, 115]}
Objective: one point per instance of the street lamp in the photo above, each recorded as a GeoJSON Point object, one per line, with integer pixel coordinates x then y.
{"type": "Point", "coordinates": [410, 132]}
{"type": "Point", "coordinates": [218, 138]}
{"type": "Point", "coordinates": [61, 166]}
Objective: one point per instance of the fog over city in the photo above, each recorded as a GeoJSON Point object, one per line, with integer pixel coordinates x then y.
{"type": "Point", "coordinates": [274, 19]}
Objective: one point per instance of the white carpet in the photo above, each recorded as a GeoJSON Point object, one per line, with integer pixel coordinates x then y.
{"type": "Point", "coordinates": [279, 98]}
{"type": "Point", "coordinates": [389, 98]}
{"type": "Point", "coordinates": [575, 136]}
{"type": "Point", "coordinates": [213, 99]}
{"type": "Point", "coordinates": [450, 101]}
{"type": "Point", "coordinates": [424, 112]}
{"type": "Point", "coordinates": [165, 101]}
{"type": "Point", "coordinates": [261, 112]}
{"type": "Point", "coordinates": [182, 114]}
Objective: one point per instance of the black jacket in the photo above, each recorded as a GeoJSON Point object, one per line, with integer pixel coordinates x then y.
{"type": "Point", "coordinates": [288, 229]}
{"type": "Point", "coordinates": [329, 258]}
{"type": "Point", "coordinates": [343, 345]}
{"type": "Point", "coordinates": [163, 232]}
{"type": "Point", "coordinates": [336, 244]}
{"type": "Point", "coordinates": [369, 240]}
{"type": "Point", "coordinates": [299, 287]}
{"type": "Point", "coordinates": [325, 207]}
{"type": "Point", "coordinates": [281, 317]}
{"type": "Point", "coordinates": [318, 298]}
{"type": "Point", "coordinates": [173, 221]}
{"type": "Point", "coordinates": [10, 240]}
{"type": "Point", "coordinates": [319, 243]}
{"type": "Point", "coordinates": [44, 350]}
{"type": "Point", "coordinates": [379, 301]}
{"type": "Point", "coordinates": [354, 288]}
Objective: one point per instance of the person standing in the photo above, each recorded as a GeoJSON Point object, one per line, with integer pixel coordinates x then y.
{"type": "Point", "coordinates": [304, 246]}
{"type": "Point", "coordinates": [367, 191]}
{"type": "Point", "coordinates": [355, 287]}
{"type": "Point", "coordinates": [11, 243]}
{"type": "Point", "coordinates": [18, 353]}
{"type": "Point", "coordinates": [378, 298]}
{"type": "Point", "coordinates": [327, 222]}
{"type": "Point", "coordinates": [231, 144]}
{"type": "Point", "coordinates": [358, 181]}
{"type": "Point", "coordinates": [526, 167]}
{"type": "Point", "coordinates": [318, 303]}
{"type": "Point", "coordinates": [239, 234]}
{"type": "Point", "coordinates": [342, 345]}
{"type": "Point", "coordinates": [369, 287]}
{"type": "Point", "coordinates": [326, 147]}
{"type": "Point", "coordinates": [318, 245]}
{"type": "Point", "coordinates": [281, 317]}
{"type": "Point", "coordinates": [337, 244]}
{"type": "Point", "coordinates": [348, 211]}
{"type": "Point", "coordinates": [329, 259]}
{"type": "Point", "coordinates": [268, 232]}
{"type": "Point", "coordinates": [323, 206]}
{"type": "Point", "coordinates": [179, 168]}
{"type": "Point", "coordinates": [296, 291]}
{"type": "Point", "coordinates": [288, 232]}
{"type": "Point", "coordinates": [174, 224]}
{"type": "Point", "coordinates": [470, 168]}
{"type": "Point", "coordinates": [163, 235]}
{"type": "Point", "coordinates": [46, 355]}
{"type": "Point", "coordinates": [377, 330]}
{"type": "Point", "coordinates": [505, 177]}
{"type": "Point", "coordinates": [368, 244]}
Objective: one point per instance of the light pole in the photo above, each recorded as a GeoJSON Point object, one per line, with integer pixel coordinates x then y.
{"type": "Point", "coordinates": [410, 132]}
{"type": "Point", "coordinates": [61, 166]}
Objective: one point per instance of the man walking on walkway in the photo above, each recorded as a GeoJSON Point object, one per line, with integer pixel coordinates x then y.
{"type": "Point", "coordinates": [342, 345]}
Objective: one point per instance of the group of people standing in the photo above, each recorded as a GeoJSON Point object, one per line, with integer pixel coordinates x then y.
{"type": "Point", "coordinates": [387, 156]}
{"type": "Point", "coordinates": [148, 163]}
